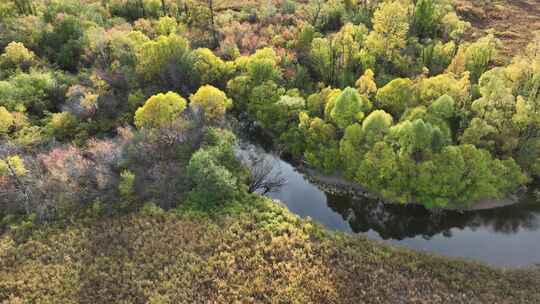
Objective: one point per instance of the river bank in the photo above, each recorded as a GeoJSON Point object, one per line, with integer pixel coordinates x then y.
{"type": "Point", "coordinates": [338, 185]}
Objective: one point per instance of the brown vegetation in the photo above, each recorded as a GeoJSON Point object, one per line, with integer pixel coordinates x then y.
{"type": "Point", "coordinates": [513, 21]}
{"type": "Point", "coordinates": [260, 255]}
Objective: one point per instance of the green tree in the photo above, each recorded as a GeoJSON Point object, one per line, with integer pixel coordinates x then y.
{"type": "Point", "coordinates": [524, 72]}
{"type": "Point", "coordinates": [442, 180]}
{"type": "Point", "coordinates": [213, 183]}
{"type": "Point", "coordinates": [481, 177]}
{"type": "Point", "coordinates": [453, 27]}
{"type": "Point", "coordinates": [349, 107]}
{"type": "Point", "coordinates": [65, 42]}
{"type": "Point", "coordinates": [359, 139]}
{"type": "Point", "coordinates": [446, 84]}
{"type": "Point", "coordinates": [212, 101]}
{"type": "Point", "coordinates": [475, 57]}
{"type": "Point", "coordinates": [436, 56]}
{"type": "Point", "coordinates": [352, 149]}
{"type": "Point", "coordinates": [16, 56]}
{"type": "Point", "coordinates": [322, 147]}
{"type": "Point", "coordinates": [426, 18]}
{"type": "Point", "coordinates": [204, 16]}
{"type": "Point", "coordinates": [479, 55]}
{"type": "Point", "coordinates": [375, 126]}
{"type": "Point", "coordinates": [127, 183]}
{"type": "Point", "coordinates": [28, 92]}
{"type": "Point", "coordinates": [418, 138]}
{"type": "Point", "coordinates": [305, 37]}
{"type": "Point", "coordinates": [12, 165]}
{"type": "Point", "coordinates": [290, 107]}
{"type": "Point", "coordinates": [480, 134]}
{"type": "Point", "coordinates": [322, 59]}
{"type": "Point", "coordinates": [263, 107]}
{"type": "Point", "coordinates": [428, 116]}
{"type": "Point", "coordinates": [318, 102]}
{"type": "Point", "coordinates": [160, 110]}
{"type": "Point", "coordinates": [116, 50]}
{"type": "Point", "coordinates": [444, 107]}
{"type": "Point", "coordinates": [336, 59]}
{"type": "Point", "coordinates": [168, 60]}
{"type": "Point", "coordinates": [495, 108]}
{"type": "Point", "coordinates": [384, 171]}
{"type": "Point", "coordinates": [346, 51]}
{"type": "Point", "coordinates": [263, 66]}
{"type": "Point", "coordinates": [211, 68]}
{"type": "Point", "coordinates": [396, 96]}
{"type": "Point", "coordinates": [166, 25]}
{"type": "Point", "coordinates": [461, 175]}
{"type": "Point", "coordinates": [61, 125]}
{"type": "Point", "coordinates": [25, 7]}
{"type": "Point", "coordinates": [390, 28]}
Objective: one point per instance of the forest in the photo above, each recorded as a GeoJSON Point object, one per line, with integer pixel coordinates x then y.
{"type": "Point", "coordinates": [115, 108]}
{"type": "Point", "coordinates": [391, 95]}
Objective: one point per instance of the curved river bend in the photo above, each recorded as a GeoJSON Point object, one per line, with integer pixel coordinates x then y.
{"type": "Point", "coordinates": [507, 236]}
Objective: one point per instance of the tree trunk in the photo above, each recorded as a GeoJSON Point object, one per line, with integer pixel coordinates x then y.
{"type": "Point", "coordinates": [163, 8]}
{"type": "Point", "coordinates": [212, 24]}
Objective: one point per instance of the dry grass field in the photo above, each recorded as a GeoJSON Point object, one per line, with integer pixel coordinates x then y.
{"type": "Point", "coordinates": [513, 21]}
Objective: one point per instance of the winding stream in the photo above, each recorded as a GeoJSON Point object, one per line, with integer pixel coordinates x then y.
{"type": "Point", "coordinates": [507, 236]}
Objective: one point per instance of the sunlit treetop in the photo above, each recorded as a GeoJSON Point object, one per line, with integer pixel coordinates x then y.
{"type": "Point", "coordinates": [376, 125]}
{"type": "Point", "coordinates": [211, 68]}
{"type": "Point", "coordinates": [366, 83]}
{"type": "Point", "coordinates": [418, 136]}
{"type": "Point", "coordinates": [349, 107]}
{"type": "Point", "coordinates": [16, 55]}
{"type": "Point", "coordinates": [213, 101]}
{"type": "Point", "coordinates": [6, 120]}
{"type": "Point", "coordinates": [154, 55]}
{"type": "Point", "coordinates": [160, 110]}
{"type": "Point", "coordinates": [396, 96]}
{"type": "Point", "coordinates": [443, 107]}
{"type": "Point", "coordinates": [390, 28]}
{"type": "Point", "coordinates": [167, 25]}
{"type": "Point", "coordinates": [263, 66]}
{"type": "Point", "coordinates": [12, 165]}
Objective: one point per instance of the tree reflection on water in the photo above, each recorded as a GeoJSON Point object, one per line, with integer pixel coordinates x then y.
{"type": "Point", "coordinates": [400, 222]}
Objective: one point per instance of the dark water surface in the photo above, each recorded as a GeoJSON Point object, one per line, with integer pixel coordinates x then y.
{"type": "Point", "coordinates": [507, 236]}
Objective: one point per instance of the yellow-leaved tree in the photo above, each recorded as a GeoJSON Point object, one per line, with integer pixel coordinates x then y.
{"type": "Point", "coordinates": [212, 101]}
{"type": "Point", "coordinates": [160, 110]}
{"type": "Point", "coordinates": [6, 120]}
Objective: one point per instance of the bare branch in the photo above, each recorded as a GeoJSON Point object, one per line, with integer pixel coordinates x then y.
{"type": "Point", "coordinates": [264, 177]}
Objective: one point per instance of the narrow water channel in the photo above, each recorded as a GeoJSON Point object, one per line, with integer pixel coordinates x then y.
{"type": "Point", "coordinates": [507, 236]}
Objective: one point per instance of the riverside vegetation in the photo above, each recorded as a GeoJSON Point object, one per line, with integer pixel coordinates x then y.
{"type": "Point", "coordinates": [119, 179]}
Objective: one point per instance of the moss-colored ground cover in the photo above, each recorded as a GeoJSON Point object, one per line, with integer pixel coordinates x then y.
{"type": "Point", "coordinates": [256, 254]}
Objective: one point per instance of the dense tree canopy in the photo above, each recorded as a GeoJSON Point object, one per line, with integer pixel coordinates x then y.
{"type": "Point", "coordinates": [131, 109]}
{"type": "Point", "coordinates": [169, 60]}
{"type": "Point", "coordinates": [394, 94]}
{"type": "Point", "coordinates": [397, 96]}
{"type": "Point", "coordinates": [349, 107]}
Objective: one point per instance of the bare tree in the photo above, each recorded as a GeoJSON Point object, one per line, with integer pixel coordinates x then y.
{"type": "Point", "coordinates": [189, 128]}
{"type": "Point", "coordinates": [315, 11]}
{"type": "Point", "coordinates": [264, 177]}
{"type": "Point", "coordinates": [19, 194]}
